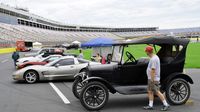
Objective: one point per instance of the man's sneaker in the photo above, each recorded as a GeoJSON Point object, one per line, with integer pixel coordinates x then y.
{"type": "Point", "coordinates": [148, 108]}
{"type": "Point", "coordinates": [165, 108]}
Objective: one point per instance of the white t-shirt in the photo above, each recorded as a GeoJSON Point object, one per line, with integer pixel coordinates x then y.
{"type": "Point", "coordinates": [80, 55]}
{"type": "Point", "coordinates": [154, 63]}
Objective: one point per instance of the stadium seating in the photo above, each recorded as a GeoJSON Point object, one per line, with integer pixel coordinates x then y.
{"type": "Point", "coordinates": [181, 31]}
{"type": "Point", "coordinates": [11, 33]}
{"type": "Point", "coordinates": [136, 34]}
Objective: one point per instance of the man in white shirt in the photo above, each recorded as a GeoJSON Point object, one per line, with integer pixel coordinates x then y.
{"type": "Point", "coordinates": [153, 74]}
{"type": "Point", "coordinates": [80, 54]}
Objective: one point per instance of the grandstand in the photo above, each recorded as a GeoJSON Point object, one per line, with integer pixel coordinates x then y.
{"type": "Point", "coordinates": [182, 32]}
{"type": "Point", "coordinates": [12, 33]}
{"type": "Point", "coordinates": [20, 24]}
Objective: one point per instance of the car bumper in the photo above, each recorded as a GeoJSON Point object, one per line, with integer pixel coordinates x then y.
{"type": "Point", "coordinates": [19, 63]}
{"type": "Point", "coordinates": [19, 67]}
{"type": "Point", "coordinates": [17, 77]}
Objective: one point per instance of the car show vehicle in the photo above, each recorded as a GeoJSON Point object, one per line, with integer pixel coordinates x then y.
{"type": "Point", "coordinates": [63, 68]}
{"type": "Point", "coordinates": [45, 50]}
{"type": "Point", "coordinates": [129, 77]}
{"type": "Point", "coordinates": [39, 62]}
{"type": "Point", "coordinates": [41, 57]}
{"type": "Point", "coordinates": [23, 46]}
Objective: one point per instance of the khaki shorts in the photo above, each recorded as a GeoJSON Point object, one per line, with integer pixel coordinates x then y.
{"type": "Point", "coordinates": [153, 86]}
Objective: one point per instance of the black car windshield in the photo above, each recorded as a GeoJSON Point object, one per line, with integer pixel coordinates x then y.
{"type": "Point", "coordinates": [137, 51]}
{"type": "Point", "coordinates": [117, 53]}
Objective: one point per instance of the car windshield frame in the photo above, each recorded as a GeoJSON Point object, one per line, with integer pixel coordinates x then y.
{"type": "Point", "coordinates": [155, 41]}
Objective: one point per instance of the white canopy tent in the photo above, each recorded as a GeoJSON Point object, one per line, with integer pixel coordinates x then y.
{"type": "Point", "coordinates": [37, 46]}
{"type": "Point", "coordinates": [77, 43]}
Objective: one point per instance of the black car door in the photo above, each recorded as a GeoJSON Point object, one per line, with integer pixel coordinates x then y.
{"type": "Point", "coordinates": [133, 74]}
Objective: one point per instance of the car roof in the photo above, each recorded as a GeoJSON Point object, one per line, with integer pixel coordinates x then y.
{"type": "Point", "coordinates": [54, 55]}
{"type": "Point", "coordinates": [156, 40]}
{"type": "Point", "coordinates": [66, 57]}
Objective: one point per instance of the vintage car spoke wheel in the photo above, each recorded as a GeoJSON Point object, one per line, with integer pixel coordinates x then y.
{"type": "Point", "coordinates": [31, 77]}
{"type": "Point", "coordinates": [77, 87]}
{"type": "Point", "coordinates": [94, 96]}
{"type": "Point", "coordinates": [178, 91]}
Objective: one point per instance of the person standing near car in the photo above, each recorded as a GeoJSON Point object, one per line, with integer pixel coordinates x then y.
{"type": "Point", "coordinates": [80, 54]}
{"type": "Point", "coordinates": [98, 58]}
{"type": "Point", "coordinates": [15, 57]}
{"type": "Point", "coordinates": [153, 74]}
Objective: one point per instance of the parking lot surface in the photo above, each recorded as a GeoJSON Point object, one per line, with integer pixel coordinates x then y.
{"type": "Point", "coordinates": [57, 96]}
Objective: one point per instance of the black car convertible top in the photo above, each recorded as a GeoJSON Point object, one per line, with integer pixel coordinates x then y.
{"type": "Point", "coordinates": [156, 40]}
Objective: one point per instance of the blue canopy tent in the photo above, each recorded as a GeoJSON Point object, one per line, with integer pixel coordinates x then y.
{"type": "Point", "coordinates": [100, 45]}
{"type": "Point", "coordinates": [98, 42]}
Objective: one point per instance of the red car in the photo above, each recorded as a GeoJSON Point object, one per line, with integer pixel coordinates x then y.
{"type": "Point", "coordinates": [42, 62]}
{"type": "Point", "coordinates": [31, 63]}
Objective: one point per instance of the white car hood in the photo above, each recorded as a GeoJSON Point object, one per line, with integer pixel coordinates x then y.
{"type": "Point", "coordinates": [29, 59]}
{"type": "Point", "coordinates": [31, 54]}
{"type": "Point", "coordinates": [34, 67]}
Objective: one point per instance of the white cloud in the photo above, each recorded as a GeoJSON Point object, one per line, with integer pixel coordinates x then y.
{"type": "Point", "coordinates": [117, 13]}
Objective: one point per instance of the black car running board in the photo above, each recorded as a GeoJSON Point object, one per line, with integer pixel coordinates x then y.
{"type": "Point", "coordinates": [128, 90]}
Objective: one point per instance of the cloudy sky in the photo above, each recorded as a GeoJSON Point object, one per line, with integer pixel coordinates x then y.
{"type": "Point", "coordinates": [117, 13]}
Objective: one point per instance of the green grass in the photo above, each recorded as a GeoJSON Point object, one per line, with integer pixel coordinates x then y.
{"type": "Point", "coordinates": [192, 56]}
{"type": "Point", "coordinates": [86, 52]}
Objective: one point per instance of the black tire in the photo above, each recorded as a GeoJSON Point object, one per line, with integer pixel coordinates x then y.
{"type": "Point", "coordinates": [94, 90]}
{"type": "Point", "coordinates": [77, 86]}
{"type": "Point", "coordinates": [178, 91]}
{"type": "Point", "coordinates": [31, 76]}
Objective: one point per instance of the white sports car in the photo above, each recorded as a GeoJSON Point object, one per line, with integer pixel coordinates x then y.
{"type": "Point", "coordinates": [63, 68]}
{"type": "Point", "coordinates": [32, 59]}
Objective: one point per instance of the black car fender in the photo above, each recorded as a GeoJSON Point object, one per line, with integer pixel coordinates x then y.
{"type": "Point", "coordinates": [80, 75]}
{"type": "Point", "coordinates": [106, 83]}
{"type": "Point", "coordinates": [176, 75]}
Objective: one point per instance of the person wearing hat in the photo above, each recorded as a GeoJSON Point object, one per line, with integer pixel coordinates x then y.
{"type": "Point", "coordinates": [153, 74]}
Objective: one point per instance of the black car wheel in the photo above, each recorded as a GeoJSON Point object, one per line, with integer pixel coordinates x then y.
{"type": "Point", "coordinates": [77, 87]}
{"type": "Point", "coordinates": [178, 91]}
{"type": "Point", "coordinates": [94, 96]}
{"type": "Point", "coordinates": [31, 77]}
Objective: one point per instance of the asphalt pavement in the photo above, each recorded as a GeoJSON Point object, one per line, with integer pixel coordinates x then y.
{"type": "Point", "coordinates": [45, 97]}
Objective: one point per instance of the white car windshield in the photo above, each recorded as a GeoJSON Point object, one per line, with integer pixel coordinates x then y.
{"type": "Point", "coordinates": [82, 60]}
{"type": "Point", "coordinates": [39, 56]}
{"type": "Point", "coordinates": [51, 58]}
{"type": "Point", "coordinates": [52, 62]}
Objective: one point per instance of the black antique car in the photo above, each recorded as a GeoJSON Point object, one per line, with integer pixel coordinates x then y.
{"type": "Point", "coordinates": [129, 77]}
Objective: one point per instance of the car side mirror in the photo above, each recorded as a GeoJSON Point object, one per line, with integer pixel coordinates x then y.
{"type": "Point", "coordinates": [57, 65]}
